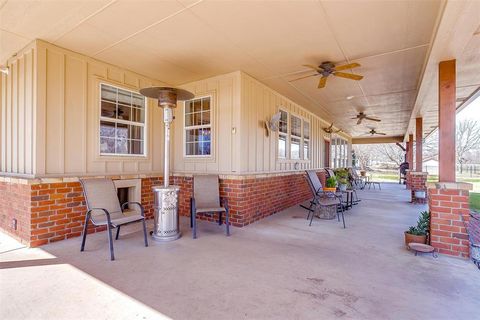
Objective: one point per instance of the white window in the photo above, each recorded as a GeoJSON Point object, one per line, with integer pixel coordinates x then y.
{"type": "Point", "coordinates": [339, 149]}
{"type": "Point", "coordinates": [282, 135]}
{"type": "Point", "coordinates": [295, 137]}
{"type": "Point", "coordinates": [122, 122]}
{"type": "Point", "coordinates": [306, 140]}
{"type": "Point", "coordinates": [198, 127]}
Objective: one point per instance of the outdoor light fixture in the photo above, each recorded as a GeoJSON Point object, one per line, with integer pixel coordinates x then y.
{"type": "Point", "coordinates": [4, 70]}
{"type": "Point", "coordinates": [166, 224]}
{"type": "Point", "coordinates": [350, 97]}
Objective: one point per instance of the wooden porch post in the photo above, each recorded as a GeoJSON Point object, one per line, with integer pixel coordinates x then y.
{"type": "Point", "coordinates": [446, 120]}
{"type": "Point", "coordinates": [410, 152]}
{"type": "Point", "coordinates": [419, 144]}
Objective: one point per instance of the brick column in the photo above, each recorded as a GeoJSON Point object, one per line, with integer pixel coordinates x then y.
{"type": "Point", "coordinates": [408, 179]}
{"type": "Point", "coordinates": [418, 182]}
{"type": "Point", "coordinates": [410, 152]}
{"type": "Point", "coordinates": [448, 203]}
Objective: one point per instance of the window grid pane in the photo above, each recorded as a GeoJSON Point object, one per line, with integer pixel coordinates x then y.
{"type": "Point", "coordinates": [197, 117]}
{"type": "Point", "coordinates": [122, 122]}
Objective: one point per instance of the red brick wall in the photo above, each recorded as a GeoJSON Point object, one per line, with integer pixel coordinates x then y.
{"type": "Point", "coordinates": [15, 204]}
{"type": "Point", "coordinates": [48, 212]}
{"type": "Point", "coordinates": [58, 212]}
{"type": "Point", "coordinates": [418, 182]}
{"type": "Point", "coordinates": [448, 233]}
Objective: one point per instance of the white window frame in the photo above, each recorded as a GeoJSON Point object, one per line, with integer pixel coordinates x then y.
{"type": "Point", "coordinates": [300, 138]}
{"type": "Point", "coordinates": [185, 128]}
{"type": "Point", "coordinates": [287, 138]}
{"type": "Point", "coordinates": [100, 119]}
{"type": "Point", "coordinates": [304, 121]}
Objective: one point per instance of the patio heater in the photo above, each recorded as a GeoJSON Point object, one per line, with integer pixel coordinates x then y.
{"type": "Point", "coordinates": [166, 221]}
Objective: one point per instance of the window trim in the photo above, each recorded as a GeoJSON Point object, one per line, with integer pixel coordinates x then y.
{"type": "Point", "coordinates": [100, 118]}
{"type": "Point", "coordinates": [184, 129]}
{"type": "Point", "coordinates": [286, 135]}
{"type": "Point", "coordinates": [300, 138]}
{"type": "Point", "coordinates": [305, 139]}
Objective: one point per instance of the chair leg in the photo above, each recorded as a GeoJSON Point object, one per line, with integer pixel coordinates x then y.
{"type": "Point", "coordinates": [191, 213]}
{"type": "Point", "coordinates": [145, 232]}
{"type": "Point", "coordinates": [227, 222]}
{"type": "Point", "coordinates": [118, 233]}
{"type": "Point", "coordinates": [220, 218]}
{"type": "Point", "coordinates": [194, 219]}
{"type": "Point", "coordinates": [343, 219]}
{"type": "Point", "coordinates": [110, 241]}
{"type": "Point", "coordinates": [85, 228]}
{"type": "Point", "coordinates": [311, 219]}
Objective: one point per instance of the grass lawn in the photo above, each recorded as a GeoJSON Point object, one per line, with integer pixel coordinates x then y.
{"type": "Point", "coordinates": [475, 201]}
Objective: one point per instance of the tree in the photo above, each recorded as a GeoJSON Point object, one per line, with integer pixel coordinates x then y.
{"type": "Point", "coordinates": [392, 152]}
{"type": "Point", "coordinates": [467, 140]}
{"type": "Point", "coordinates": [363, 155]}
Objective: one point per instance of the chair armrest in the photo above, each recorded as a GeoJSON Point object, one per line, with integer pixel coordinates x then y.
{"type": "Point", "coordinates": [142, 209]}
{"type": "Point", "coordinates": [104, 211]}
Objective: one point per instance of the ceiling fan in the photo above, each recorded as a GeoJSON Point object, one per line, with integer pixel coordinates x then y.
{"type": "Point", "coordinates": [361, 115]}
{"type": "Point", "coordinates": [331, 130]}
{"type": "Point", "coordinates": [327, 68]}
{"type": "Point", "coordinates": [373, 132]}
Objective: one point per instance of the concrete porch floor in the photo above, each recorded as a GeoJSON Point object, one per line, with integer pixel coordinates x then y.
{"type": "Point", "coordinates": [277, 268]}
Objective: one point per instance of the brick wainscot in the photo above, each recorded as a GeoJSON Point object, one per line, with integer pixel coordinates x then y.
{"type": "Point", "coordinates": [46, 211]}
{"type": "Point", "coordinates": [449, 208]}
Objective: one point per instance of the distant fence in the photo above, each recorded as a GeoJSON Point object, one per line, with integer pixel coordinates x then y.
{"type": "Point", "coordinates": [469, 170]}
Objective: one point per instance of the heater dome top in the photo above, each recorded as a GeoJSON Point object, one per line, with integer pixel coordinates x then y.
{"type": "Point", "coordinates": [158, 92]}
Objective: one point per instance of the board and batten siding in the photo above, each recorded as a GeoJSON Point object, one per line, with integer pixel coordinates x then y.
{"type": "Point", "coordinates": [241, 104]}
{"type": "Point", "coordinates": [259, 152]}
{"type": "Point", "coordinates": [224, 91]}
{"type": "Point", "coordinates": [17, 138]}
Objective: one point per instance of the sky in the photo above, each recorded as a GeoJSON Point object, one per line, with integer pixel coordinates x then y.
{"type": "Point", "coordinates": [472, 111]}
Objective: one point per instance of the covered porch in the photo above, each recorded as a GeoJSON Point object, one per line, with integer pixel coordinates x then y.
{"type": "Point", "coordinates": [276, 268]}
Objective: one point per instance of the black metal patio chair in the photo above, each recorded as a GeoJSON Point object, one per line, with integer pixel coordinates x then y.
{"type": "Point", "coordinates": [320, 199]}
{"type": "Point", "coordinates": [206, 199]}
{"type": "Point", "coordinates": [104, 210]}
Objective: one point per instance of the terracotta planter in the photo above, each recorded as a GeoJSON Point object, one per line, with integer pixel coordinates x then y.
{"type": "Point", "coordinates": [363, 173]}
{"type": "Point", "coordinates": [409, 238]}
{"type": "Point", "coordinates": [329, 189]}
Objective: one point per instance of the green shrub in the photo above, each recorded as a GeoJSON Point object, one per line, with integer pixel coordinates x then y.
{"type": "Point", "coordinates": [331, 182]}
{"type": "Point", "coordinates": [342, 175]}
{"type": "Point", "coordinates": [423, 225]}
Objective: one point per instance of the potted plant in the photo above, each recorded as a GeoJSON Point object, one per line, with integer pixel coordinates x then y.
{"type": "Point", "coordinates": [418, 233]}
{"type": "Point", "coordinates": [342, 178]}
{"type": "Point", "coordinates": [330, 185]}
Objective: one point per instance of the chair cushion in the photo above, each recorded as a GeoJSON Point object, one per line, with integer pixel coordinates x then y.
{"type": "Point", "coordinates": [117, 218]}
{"type": "Point", "coordinates": [218, 209]}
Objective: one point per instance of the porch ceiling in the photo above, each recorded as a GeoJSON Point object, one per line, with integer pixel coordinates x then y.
{"type": "Point", "coordinates": [183, 41]}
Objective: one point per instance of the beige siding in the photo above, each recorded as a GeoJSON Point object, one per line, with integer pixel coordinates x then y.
{"type": "Point", "coordinates": [259, 152]}
{"type": "Point", "coordinates": [17, 104]}
{"type": "Point", "coordinates": [68, 116]}
{"type": "Point", "coordinates": [224, 90]}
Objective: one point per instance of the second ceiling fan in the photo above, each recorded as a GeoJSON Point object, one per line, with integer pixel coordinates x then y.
{"type": "Point", "coordinates": [361, 116]}
{"type": "Point", "coordinates": [328, 68]}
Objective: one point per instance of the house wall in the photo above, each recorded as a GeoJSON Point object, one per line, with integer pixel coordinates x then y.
{"type": "Point", "coordinates": [50, 116]}
{"type": "Point", "coordinates": [225, 93]}
{"type": "Point", "coordinates": [17, 138]}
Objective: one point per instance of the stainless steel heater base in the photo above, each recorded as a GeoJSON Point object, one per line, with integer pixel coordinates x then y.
{"type": "Point", "coordinates": [166, 220]}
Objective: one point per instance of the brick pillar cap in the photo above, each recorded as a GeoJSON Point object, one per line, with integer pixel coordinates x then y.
{"type": "Point", "coordinates": [451, 185]}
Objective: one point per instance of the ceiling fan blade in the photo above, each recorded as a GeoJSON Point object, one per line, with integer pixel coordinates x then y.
{"type": "Point", "coordinates": [319, 70]}
{"type": "Point", "coordinates": [381, 133]}
{"type": "Point", "coordinates": [322, 82]}
{"type": "Point", "coordinates": [347, 66]}
{"type": "Point", "coordinates": [311, 75]}
{"type": "Point", "coordinates": [348, 75]}
{"type": "Point", "coordinates": [359, 121]}
{"type": "Point", "coordinates": [373, 119]}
